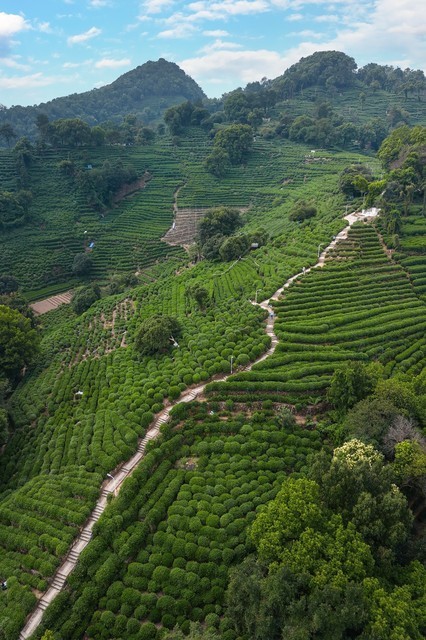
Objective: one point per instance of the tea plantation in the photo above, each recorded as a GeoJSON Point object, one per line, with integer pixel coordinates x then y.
{"type": "Point", "coordinates": [361, 306]}
{"type": "Point", "coordinates": [127, 237]}
{"type": "Point", "coordinates": [163, 550]}
{"type": "Point", "coordinates": [172, 540]}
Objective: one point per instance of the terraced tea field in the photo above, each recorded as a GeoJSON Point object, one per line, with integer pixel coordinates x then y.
{"type": "Point", "coordinates": [360, 306]}
{"type": "Point", "coordinates": [128, 237]}
{"type": "Point", "coordinates": [411, 253]}
{"type": "Point", "coordinates": [183, 520]}
{"type": "Point", "coordinates": [80, 415]}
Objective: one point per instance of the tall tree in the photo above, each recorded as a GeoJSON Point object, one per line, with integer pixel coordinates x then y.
{"type": "Point", "coordinates": [156, 334]}
{"type": "Point", "coordinates": [18, 341]}
{"type": "Point", "coordinates": [7, 133]}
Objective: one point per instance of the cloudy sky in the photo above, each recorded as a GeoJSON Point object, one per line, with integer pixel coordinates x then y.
{"type": "Point", "coordinates": [51, 48]}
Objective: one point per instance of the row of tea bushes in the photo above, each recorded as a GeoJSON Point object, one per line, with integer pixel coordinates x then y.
{"type": "Point", "coordinates": [359, 306]}
{"type": "Point", "coordinates": [163, 548]}
{"type": "Point", "coordinates": [96, 429]}
{"type": "Point", "coordinates": [37, 525]}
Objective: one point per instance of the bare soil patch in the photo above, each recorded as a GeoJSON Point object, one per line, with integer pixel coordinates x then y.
{"type": "Point", "coordinates": [129, 189]}
{"type": "Point", "coordinates": [48, 304]}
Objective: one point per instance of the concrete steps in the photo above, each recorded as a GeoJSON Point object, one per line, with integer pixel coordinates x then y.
{"type": "Point", "coordinates": [86, 535]}
{"type": "Point", "coordinates": [73, 555]}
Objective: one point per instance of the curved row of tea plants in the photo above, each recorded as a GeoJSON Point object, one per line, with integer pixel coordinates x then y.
{"type": "Point", "coordinates": [163, 548]}
{"type": "Point", "coordinates": [85, 407]}
{"type": "Point", "coordinates": [360, 306]}
{"type": "Point", "coordinates": [37, 526]}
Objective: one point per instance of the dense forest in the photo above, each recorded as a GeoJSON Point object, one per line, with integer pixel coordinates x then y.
{"type": "Point", "coordinates": [222, 435]}
{"type": "Point", "coordinates": [145, 91]}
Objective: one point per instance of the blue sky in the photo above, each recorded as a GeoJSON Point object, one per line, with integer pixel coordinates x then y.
{"type": "Point", "coordinates": [51, 48]}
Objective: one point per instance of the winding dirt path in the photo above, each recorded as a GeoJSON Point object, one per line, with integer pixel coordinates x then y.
{"type": "Point", "coordinates": [113, 484]}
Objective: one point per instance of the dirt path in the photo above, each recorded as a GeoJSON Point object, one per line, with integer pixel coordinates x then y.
{"type": "Point", "coordinates": [114, 483]}
{"type": "Point", "coordinates": [48, 304]}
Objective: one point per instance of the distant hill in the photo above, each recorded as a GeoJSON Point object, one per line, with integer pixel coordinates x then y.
{"type": "Point", "coordinates": [336, 71]}
{"type": "Point", "coordinates": [145, 91]}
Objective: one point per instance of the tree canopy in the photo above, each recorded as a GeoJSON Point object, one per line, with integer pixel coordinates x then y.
{"type": "Point", "coordinates": [302, 210]}
{"type": "Point", "coordinates": [82, 264]}
{"type": "Point", "coordinates": [18, 341]}
{"type": "Point", "coordinates": [236, 140]}
{"type": "Point", "coordinates": [222, 221]}
{"type": "Point", "coordinates": [84, 297]}
{"type": "Point", "coordinates": [156, 334]}
{"type": "Point", "coordinates": [320, 549]}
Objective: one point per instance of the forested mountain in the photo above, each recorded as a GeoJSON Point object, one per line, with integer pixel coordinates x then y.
{"type": "Point", "coordinates": [145, 91]}
{"type": "Point", "coordinates": [336, 70]}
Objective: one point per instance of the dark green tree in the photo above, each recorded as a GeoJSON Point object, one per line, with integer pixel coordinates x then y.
{"type": "Point", "coordinates": [218, 162]}
{"type": "Point", "coordinates": [198, 293]}
{"type": "Point", "coordinates": [7, 133]}
{"type": "Point", "coordinates": [222, 221]}
{"type": "Point", "coordinates": [350, 383]}
{"type": "Point", "coordinates": [18, 341]}
{"type": "Point", "coordinates": [4, 427]}
{"type": "Point", "coordinates": [71, 132]}
{"type": "Point", "coordinates": [210, 250]}
{"type": "Point", "coordinates": [82, 264]}
{"type": "Point", "coordinates": [234, 247]}
{"type": "Point", "coordinates": [237, 141]}
{"type": "Point", "coordinates": [196, 632]}
{"type": "Point", "coordinates": [302, 210]}
{"type": "Point", "coordinates": [350, 179]}
{"type": "Point", "coordinates": [8, 284]}
{"type": "Point", "coordinates": [156, 334]}
{"type": "Point", "coordinates": [370, 419]}
{"type": "Point", "coordinates": [84, 297]}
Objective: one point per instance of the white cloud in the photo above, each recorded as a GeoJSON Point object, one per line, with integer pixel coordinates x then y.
{"type": "Point", "coordinates": [97, 4]}
{"type": "Point", "coordinates": [83, 37]}
{"type": "Point", "coordinates": [219, 10]}
{"type": "Point", "coordinates": [181, 30]}
{"type": "Point", "coordinates": [225, 8]}
{"type": "Point", "coordinates": [284, 4]}
{"type": "Point", "coordinates": [24, 82]}
{"type": "Point", "coordinates": [44, 27]}
{"type": "Point", "coordinates": [328, 17]}
{"type": "Point", "coordinates": [307, 33]}
{"type": "Point", "coordinates": [109, 63]}
{"type": "Point", "coordinates": [235, 66]}
{"type": "Point", "coordinates": [218, 45]}
{"type": "Point", "coordinates": [12, 63]}
{"type": "Point", "coordinates": [216, 33]}
{"type": "Point", "coordinates": [294, 17]}
{"type": "Point", "coordinates": [11, 24]}
{"type": "Point", "coordinates": [156, 6]}
{"type": "Point", "coordinates": [76, 65]}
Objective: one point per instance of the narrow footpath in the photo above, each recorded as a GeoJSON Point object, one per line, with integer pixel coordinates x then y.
{"type": "Point", "coordinates": [113, 485]}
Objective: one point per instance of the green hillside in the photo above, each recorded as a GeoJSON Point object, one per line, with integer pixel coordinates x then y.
{"type": "Point", "coordinates": [181, 455]}
{"type": "Point", "coordinates": [127, 237]}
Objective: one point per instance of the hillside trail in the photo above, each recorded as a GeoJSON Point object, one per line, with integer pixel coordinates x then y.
{"type": "Point", "coordinates": [113, 484]}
